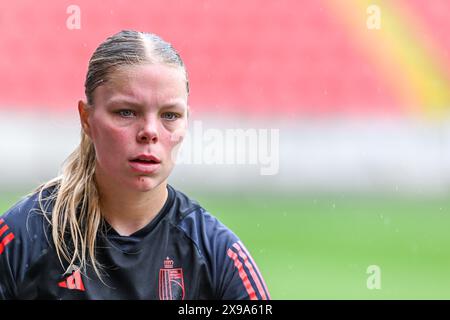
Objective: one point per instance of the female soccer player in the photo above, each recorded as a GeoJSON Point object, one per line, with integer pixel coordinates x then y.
{"type": "Point", "coordinates": [110, 226]}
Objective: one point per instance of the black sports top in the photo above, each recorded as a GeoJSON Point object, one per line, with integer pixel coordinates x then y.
{"type": "Point", "coordinates": [183, 253]}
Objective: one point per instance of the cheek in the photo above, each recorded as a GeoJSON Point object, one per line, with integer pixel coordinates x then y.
{"type": "Point", "coordinates": [177, 133]}
{"type": "Point", "coordinates": [171, 142]}
{"type": "Point", "coordinates": [173, 138]}
{"type": "Point", "coordinates": [110, 143]}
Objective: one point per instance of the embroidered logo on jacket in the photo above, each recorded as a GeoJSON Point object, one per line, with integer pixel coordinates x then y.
{"type": "Point", "coordinates": [171, 282]}
{"type": "Point", "coordinates": [73, 282]}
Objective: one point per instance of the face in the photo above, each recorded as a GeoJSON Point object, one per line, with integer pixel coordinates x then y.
{"type": "Point", "coordinates": [140, 111]}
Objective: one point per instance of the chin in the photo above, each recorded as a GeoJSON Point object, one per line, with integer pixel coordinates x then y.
{"type": "Point", "coordinates": [144, 184]}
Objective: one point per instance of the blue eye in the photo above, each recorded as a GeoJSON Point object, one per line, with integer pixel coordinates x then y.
{"type": "Point", "coordinates": [170, 116]}
{"type": "Point", "coordinates": [126, 113]}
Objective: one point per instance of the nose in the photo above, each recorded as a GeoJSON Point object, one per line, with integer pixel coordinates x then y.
{"type": "Point", "coordinates": [148, 132]}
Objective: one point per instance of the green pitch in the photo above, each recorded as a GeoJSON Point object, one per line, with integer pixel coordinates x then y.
{"type": "Point", "coordinates": [321, 247]}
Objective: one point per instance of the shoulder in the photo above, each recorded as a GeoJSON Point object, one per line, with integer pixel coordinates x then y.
{"type": "Point", "coordinates": [23, 237]}
{"type": "Point", "coordinates": [25, 218]}
{"type": "Point", "coordinates": [208, 233]}
{"type": "Point", "coordinates": [234, 273]}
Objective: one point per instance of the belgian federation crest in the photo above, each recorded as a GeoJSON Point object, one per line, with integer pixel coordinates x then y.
{"type": "Point", "coordinates": [171, 282]}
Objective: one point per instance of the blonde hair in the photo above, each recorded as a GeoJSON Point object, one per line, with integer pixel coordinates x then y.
{"type": "Point", "coordinates": [76, 216]}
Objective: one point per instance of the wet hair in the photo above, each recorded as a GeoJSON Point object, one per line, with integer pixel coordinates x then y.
{"type": "Point", "coordinates": [128, 48]}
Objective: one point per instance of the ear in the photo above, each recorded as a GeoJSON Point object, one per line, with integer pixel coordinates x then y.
{"type": "Point", "coordinates": [84, 117]}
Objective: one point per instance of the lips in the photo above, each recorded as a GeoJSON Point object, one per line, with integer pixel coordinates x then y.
{"type": "Point", "coordinates": [146, 158]}
{"type": "Point", "coordinates": [145, 163]}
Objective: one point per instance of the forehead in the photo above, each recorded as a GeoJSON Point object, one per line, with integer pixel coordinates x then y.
{"type": "Point", "coordinates": [144, 84]}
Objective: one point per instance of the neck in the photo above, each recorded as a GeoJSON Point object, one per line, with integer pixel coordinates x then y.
{"type": "Point", "coordinates": [128, 212]}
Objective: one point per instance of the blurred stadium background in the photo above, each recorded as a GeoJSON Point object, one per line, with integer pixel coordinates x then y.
{"type": "Point", "coordinates": [363, 119]}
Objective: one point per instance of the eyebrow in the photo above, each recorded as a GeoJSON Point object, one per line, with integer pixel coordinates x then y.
{"type": "Point", "coordinates": [171, 104]}
{"type": "Point", "coordinates": [122, 101]}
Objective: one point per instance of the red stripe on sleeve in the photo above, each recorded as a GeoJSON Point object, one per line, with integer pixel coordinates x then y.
{"type": "Point", "coordinates": [3, 229]}
{"type": "Point", "coordinates": [256, 267]}
{"type": "Point", "coordinates": [243, 275]}
{"type": "Point", "coordinates": [2, 221]}
{"type": "Point", "coordinates": [249, 266]}
{"type": "Point", "coordinates": [5, 241]}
